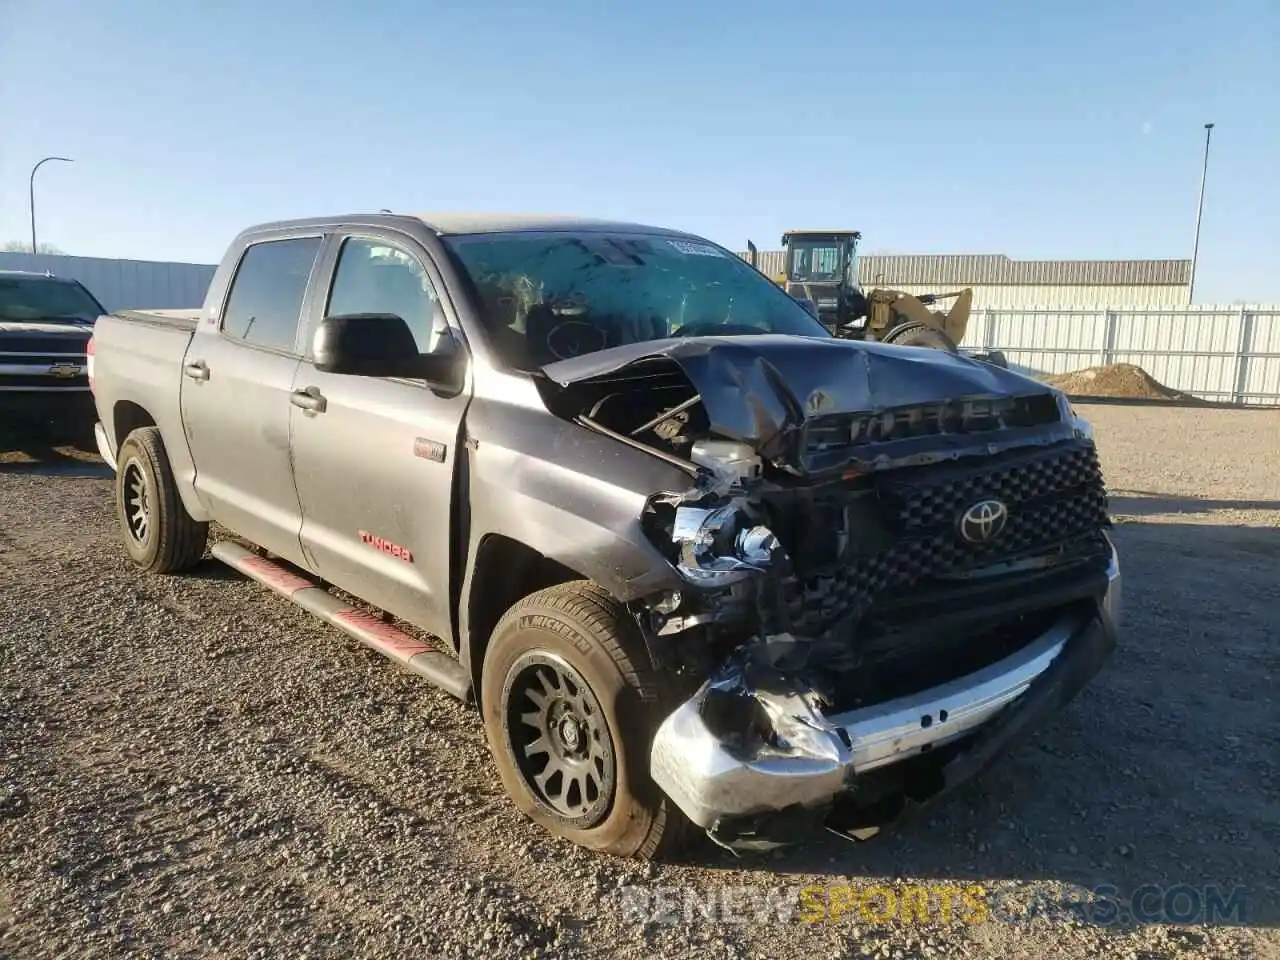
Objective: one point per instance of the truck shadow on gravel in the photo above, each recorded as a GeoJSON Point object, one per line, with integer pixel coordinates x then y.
{"type": "Point", "coordinates": [1142, 503]}
{"type": "Point", "coordinates": [50, 450]}
{"type": "Point", "coordinates": [1161, 774]}
{"type": "Point", "coordinates": [69, 468]}
{"type": "Point", "coordinates": [214, 571]}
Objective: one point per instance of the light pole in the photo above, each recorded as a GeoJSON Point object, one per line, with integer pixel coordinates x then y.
{"type": "Point", "coordinates": [31, 185]}
{"type": "Point", "coordinates": [1195, 249]}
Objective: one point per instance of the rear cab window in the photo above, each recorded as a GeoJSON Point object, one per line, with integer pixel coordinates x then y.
{"type": "Point", "coordinates": [265, 302]}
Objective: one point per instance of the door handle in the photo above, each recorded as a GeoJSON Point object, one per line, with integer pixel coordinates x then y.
{"type": "Point", "coordinates": [310, 400]}
{"type": "Point", "coordinates": [196, 370]}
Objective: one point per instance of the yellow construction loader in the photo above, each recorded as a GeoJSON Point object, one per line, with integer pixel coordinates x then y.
{"type": "Point", "coordinates": [821, 271]}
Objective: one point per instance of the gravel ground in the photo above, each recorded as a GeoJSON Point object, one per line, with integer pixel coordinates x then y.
{"type": "Point", "coordinates": [193, 767]}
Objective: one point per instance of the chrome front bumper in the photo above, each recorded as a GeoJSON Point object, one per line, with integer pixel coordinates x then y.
{"type": "Point", "coordinates": [710, 783]}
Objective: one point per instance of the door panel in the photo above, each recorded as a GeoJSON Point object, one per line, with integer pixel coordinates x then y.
{"type": "Point", "coordinates": [374, 471]}
{"type": "Point", "coordinates": [237, 427]}
{"type": "Point", "coordinates": [374, 474]}
{"type": "Point", "coordinates": [236, 387]}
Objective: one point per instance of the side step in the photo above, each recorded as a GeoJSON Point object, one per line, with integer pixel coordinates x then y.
{"type": "Point", "coordinates": [423, 659]}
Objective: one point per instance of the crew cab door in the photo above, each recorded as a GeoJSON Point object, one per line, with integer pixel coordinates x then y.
{"type": "Point", "coordinates": [374, 458]}
{"type": "Point", "coordinates": [237, 379]}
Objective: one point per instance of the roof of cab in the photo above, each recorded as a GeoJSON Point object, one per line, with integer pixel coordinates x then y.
{"type": "Point", "coordinates": [460, 224]}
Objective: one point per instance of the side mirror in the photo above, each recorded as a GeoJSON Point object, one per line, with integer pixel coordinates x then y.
{"type": "Point", "coordinates": [382, 345]}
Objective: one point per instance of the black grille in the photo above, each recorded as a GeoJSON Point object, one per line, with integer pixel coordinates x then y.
{"type": "Point", "coordinates": [934, 496]}
{"type": "Point", "coordinates": [965, 416]}
{"type": "Point", "coordinates": [1056, 502]}
{"type": "Point", "coordinates": [71, 342]}
{"type": "Point", "coordinates": [890, 667]}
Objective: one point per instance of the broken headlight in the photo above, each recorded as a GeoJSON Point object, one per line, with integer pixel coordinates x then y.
{"type": "Point", "coordinates": [1082, 428]}
{"type": "Point", "coordinates": [721, 545]}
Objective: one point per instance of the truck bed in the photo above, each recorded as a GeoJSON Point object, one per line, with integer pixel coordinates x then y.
{"type": "Point", "coordinates": [138, 356]}
{"type": "Point", "coordinates": [185, 319]}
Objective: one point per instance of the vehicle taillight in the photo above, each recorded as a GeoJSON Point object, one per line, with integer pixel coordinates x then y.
{"type": "Point", "coordinates": [88, 362]}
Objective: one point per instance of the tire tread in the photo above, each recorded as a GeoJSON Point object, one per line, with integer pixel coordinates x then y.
{"type": "Point", "coordinates": [181, 538]}
{"type": "Point", "coordinates": [909, 335]}
{"type": "Point", "coordinates": [609, 625]}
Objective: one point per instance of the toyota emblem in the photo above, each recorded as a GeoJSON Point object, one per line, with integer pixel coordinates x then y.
{"type": "Point", "coordinates": [984, 521]}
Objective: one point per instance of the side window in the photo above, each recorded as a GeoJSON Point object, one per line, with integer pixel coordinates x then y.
{"type": "Point", "coordinates": [266, 294]}
{"type": "Point", "coordinates": [375, 277]}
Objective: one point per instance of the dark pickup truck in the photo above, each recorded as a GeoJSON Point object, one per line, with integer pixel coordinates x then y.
{"type": "Point", "coordinates": [697, 561]}
{"type": "Point", "coordinates": [45, 323]}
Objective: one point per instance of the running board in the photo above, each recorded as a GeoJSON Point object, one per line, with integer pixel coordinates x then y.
{"type": "Point", "coordinates": [421, 658]}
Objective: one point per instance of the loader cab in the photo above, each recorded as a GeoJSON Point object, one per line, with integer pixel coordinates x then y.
{"type": "Point", "coordinates": [822, 266]}
{"type": "Point", "coordinates": [821, 258]}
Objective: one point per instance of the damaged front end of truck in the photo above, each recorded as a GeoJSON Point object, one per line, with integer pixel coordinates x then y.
{"type": "Point", "coordinates": [893, 562]}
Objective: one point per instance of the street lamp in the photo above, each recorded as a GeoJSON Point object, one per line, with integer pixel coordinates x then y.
{"type": "Point", "coordinates": [1195, 249]}
{"type": "Point", "coordinates": [31, 185]}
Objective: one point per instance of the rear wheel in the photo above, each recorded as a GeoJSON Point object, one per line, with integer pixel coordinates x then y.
{"type": "Point", "coordinates": [159, 535]}
{"type": "Point", "coordinates": [570, 707]}
{"type": "Point", "coordinates": [920, 335]}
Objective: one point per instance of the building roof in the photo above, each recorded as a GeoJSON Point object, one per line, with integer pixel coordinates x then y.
{"type": "Point", "coordinates": [993, 269]}
{"type": "Point", "coordinates": [973, 269]}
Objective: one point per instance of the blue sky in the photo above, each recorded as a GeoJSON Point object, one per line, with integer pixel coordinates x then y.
{"type": "Point", "coordinates": [1031, 129]}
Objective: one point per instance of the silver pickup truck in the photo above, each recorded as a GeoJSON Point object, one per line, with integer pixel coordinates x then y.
{"type": "Point", "coordinates": [698, 563]}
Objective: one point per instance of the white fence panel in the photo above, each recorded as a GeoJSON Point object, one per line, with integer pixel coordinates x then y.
{"type": "Point", "coordinates": [1218, 353]}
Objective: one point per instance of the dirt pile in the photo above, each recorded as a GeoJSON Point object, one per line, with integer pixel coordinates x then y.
{"type": "Point", "coordinates": [1115, 380]}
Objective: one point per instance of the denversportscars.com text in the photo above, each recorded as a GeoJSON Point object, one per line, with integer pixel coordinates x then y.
{"type": "Point", "coordinates": [931, 903]}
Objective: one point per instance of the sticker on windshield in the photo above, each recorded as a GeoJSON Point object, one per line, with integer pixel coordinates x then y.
{"type": "Point", "coordinates": [695, 249]}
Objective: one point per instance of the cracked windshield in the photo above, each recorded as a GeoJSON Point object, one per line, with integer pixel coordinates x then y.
{"type": "Point", "coordinates": [551, 297]}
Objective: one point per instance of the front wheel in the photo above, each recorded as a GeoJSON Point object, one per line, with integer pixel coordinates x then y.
{"type": "Point", "coordinates": [159, 535]}
{"type": "Point", "coordinates": [916, 334]}
{"type": "Point", "coordinates": [570, 707]}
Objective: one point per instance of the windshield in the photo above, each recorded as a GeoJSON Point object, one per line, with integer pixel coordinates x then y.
{"type": "Point", "coordinates": [46, 299]}
{"type": "Point", "coordinates": [814, 262]}
{"type": "Point", "coordinates": [552, 296]}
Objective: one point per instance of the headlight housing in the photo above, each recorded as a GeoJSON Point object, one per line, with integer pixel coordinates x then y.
{"type": "Point", "coordinates": [719, 546]}
{"type": "Point", "coordinates": [1082, 427]}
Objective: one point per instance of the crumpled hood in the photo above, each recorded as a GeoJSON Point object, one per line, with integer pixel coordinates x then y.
{"type": "Point", "coordinates": [760, 390]}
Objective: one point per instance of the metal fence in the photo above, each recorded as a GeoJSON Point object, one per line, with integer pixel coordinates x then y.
{"type": "Point", "coordinates": [1217, 353]}
{"type": "Point", "coordinates": [124, 284]}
